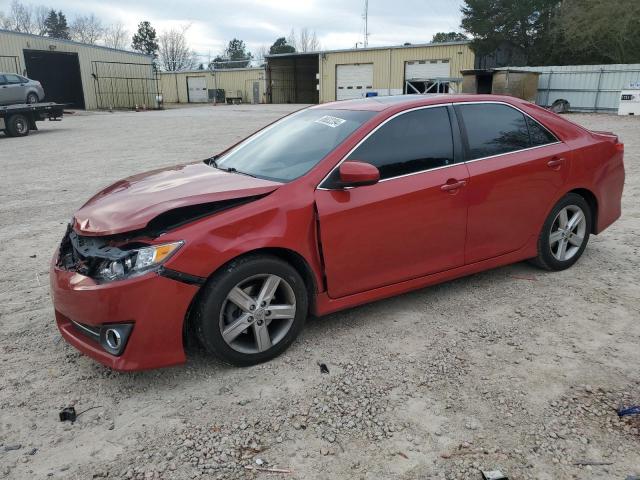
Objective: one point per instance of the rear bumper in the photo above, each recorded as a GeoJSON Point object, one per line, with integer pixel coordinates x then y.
{"type": "Point", "coordinates": [155, 305]}
{"type": "Point", "coordinates": [611, 187]}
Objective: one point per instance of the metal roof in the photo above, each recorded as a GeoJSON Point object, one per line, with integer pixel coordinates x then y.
{"type": "Point", "coordinates": [368, 49]}
{"type": "Point", "coordinates": [72, 42]}
{"type": "Point", "coordinates": [207, 70]}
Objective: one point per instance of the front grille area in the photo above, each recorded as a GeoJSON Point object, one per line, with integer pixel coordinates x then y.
{"type": "Point", "coordinates": [85, 255]}
{"type": "Point", "coordinates": [69, 258]}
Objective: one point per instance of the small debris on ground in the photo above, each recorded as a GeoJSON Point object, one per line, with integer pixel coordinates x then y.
{"type": "Point", "coordinates": [494, 475]}
{"type": "Point", "coordinates": [635, 410]}
{"type": "Point", "coordinates": [68, 414]}
{"type": "Point", "coordinates": [323, 368]}
{"type": "Point", "coordinates": [591, 462]}
{"type": "Point", "coordinates": [264, 469]}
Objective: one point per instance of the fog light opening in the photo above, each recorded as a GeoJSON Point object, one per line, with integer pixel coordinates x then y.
{"type": "Point", "coordinates": [113, 339]}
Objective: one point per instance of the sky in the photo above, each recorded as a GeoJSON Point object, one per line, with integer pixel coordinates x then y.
{"type": "Point", "coordinates": [337, 23]}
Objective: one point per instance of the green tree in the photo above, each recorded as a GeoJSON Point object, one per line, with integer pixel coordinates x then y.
{"type": "Point", "coordinates": [55, 25]}
{"type": "Point", "coordinates": [594, 31]}
{"type": "Point", "coordinates": [145, 40]}
{"type": "Point", "coordinates": [527, 24]}
{"type": "Point", "coordinates": [443, 37]}
{"type": "Point", "coordinates": [281, 46]}
{"type": "Point", "coordinates": [235, 55]}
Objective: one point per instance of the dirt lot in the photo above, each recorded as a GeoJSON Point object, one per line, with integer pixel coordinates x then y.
{"type": "Point", "coordinates": [512, 369]}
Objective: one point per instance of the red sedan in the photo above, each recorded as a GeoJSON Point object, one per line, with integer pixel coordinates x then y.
{"type": "Point", "coordinates": [330, 207]}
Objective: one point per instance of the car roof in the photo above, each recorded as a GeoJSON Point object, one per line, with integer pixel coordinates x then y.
{"type": "Point", "coordinates": [404, 102]}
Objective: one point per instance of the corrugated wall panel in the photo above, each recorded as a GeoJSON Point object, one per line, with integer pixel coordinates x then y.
{"type": "Point", "coordinates": [389, 65]}
{"type": "Point", "coordinates": [585, 87]}
{"type": "Point", "coordinates": [173, 85]}
{"type": "Point", "coordinates": [13, 44]}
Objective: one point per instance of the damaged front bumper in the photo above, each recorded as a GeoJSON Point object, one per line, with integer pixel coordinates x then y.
{"type": "Point", "coordinates": [147, 311]}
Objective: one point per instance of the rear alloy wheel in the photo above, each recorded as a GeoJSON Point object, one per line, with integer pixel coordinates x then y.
{"type": "Point", "coordinates": [251, 310]}
{"type": "Point", "coordinates": [32, 98]}
{"type": "Point", "coordinates": [18, 125]}
{"type": "Point", "coordinates": [565, 233]}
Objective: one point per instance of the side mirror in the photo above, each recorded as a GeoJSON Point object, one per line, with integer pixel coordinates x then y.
{"type": "Point", "coordinates": [354, 174]}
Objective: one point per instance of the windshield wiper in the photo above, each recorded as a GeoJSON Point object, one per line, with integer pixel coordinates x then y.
{"type": "Point", "coordinates": [213, 161]}
{"type": "Point", "coordinates": [235, 170]}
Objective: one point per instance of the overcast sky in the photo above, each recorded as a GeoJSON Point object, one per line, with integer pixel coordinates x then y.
{"type": "Point", "coordinates": [338, 23]}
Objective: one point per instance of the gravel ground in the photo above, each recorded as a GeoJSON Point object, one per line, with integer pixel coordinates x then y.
{"type": "Point", "coordinates": [512, 369]}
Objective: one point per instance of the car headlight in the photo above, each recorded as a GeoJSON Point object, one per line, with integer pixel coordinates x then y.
{"type": "Point", "coordinates": [137, 261]}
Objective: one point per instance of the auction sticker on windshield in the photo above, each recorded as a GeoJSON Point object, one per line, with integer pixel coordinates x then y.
{"type": "Point", "coordinates": [330, 121]}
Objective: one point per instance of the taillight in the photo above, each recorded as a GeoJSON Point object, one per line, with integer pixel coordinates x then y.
{"type": "Point", "coordinates": [620, 147]}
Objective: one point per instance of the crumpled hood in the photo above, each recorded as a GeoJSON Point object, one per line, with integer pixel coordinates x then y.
{"type": "Point", "coordinates": [131, 203]}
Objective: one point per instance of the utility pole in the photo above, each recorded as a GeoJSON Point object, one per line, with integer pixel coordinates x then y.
{"type": "Point", "coordinates": [366, 23]}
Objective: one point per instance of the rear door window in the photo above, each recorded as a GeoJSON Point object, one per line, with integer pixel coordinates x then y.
{"type": "Point", "coordinates": [3, 81]}
{"type": "Point", "coordinates": [13, 78]}
{"type": "Point", "coordinates": [539, 135]}
{"type": "Point", "coordinates": [412, 142]}
{"type": "Point", "coordinates": [493, 129]}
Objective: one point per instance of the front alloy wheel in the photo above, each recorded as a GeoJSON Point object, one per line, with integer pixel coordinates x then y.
{"type": "Point", "coordinates": [257, 313]}
{"type": "Point", "coordinates": [251, 310]}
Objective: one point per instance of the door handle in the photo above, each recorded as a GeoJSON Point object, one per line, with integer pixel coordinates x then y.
{"type": "Point", "coordinates": [555, 163]}
{"type": "Point", "coordinates": [455, 185]}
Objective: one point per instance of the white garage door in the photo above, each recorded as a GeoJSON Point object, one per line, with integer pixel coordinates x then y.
{"type": "Point", "coordinates": [426, 69]}
{"type": "Point", "coordinates": [197, 89]}
{"type": "Point", "coordinates": [353, 81]}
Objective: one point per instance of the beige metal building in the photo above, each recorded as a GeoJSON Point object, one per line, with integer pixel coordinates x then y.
{"type": "Point", "coordinates": [83, 76]}
{"type": "Point", "coordinates": [246, 85]}
{"type": "Point", "coordinates": [319, 77]}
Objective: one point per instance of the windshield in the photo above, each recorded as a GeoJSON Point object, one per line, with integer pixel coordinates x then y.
{"type": "Point", "coordinates": [291, 147]}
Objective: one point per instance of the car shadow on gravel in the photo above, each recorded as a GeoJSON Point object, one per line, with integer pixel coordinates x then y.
{"type": "Point", "coordinates": [346, 323]}
{"type": "Point", "coordinates": [341, 327]}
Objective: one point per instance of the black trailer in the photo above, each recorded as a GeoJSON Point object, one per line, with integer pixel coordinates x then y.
{"type": "Point", "coordinates": [17, 120]}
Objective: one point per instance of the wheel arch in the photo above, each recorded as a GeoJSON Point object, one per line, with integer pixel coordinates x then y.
{"type": "Point", "coordinates": [293, 258]}
{"type": "Point", "coordinates": [592, 201]}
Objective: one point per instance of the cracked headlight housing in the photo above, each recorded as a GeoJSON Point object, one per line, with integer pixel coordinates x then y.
{"type": "Point", "coordinates": [137, 261]}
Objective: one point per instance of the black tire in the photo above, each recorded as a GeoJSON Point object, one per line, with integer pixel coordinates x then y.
{"type": "Point", "coordinates": [17, 125]}
{"type": "Point", "coordinates": [32, 98]}
{"type": "Point", "coordinates": [207, 313]}
{"type": "Point", "coordinates": [547, 258]}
